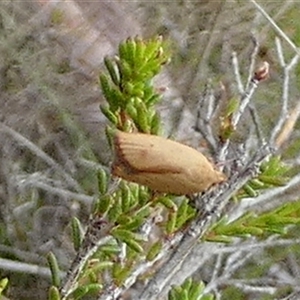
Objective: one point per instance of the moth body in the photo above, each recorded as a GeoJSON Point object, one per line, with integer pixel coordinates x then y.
{"type": "Point", "coordinates": [162, 165]}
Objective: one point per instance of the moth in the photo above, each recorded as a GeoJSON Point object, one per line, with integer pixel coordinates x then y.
{"type": "Point", "coordinates": [162, 165]}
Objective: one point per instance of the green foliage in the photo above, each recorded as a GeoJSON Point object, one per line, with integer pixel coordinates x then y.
{"type": "Point", "coordinates": [128, 88]}
{"type": "Point", "coordinates": [154, 250]}
{"type": "Point", "coordinates": [131, 239]}
{"type": "Point", "coordinates": [189, 290]}
{"type": "Point", "coordinates": [76, 233]}
{"type": "Point", "coordinates": [184, 213]}
{"type": "Point", "coordinates": [129, 209]}
{"type": "Point", "coordinates": [251, 224]}
{"type": "Point", "coordinates": [102, 182]}
{"type": "Point", "coordinates": [226, 128]}
{"type": "Point", "coordinates": [85, 290]}
{"type": "Point", "coordinates": [272, 174]}
{"type": "Point", "coordinates": [179, 214]}
{"type": "Point", "coordinates": [54, 268]}
{"type": "Point", "coordinates": [96, 267]}
{"type": "Point", "coordinates": [3, 285]}
{"type": "Point", "coordinates": [53, 293]}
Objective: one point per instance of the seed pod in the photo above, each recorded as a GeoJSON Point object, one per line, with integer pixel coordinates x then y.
{"type": "Point", "coordinates": [162, 165]}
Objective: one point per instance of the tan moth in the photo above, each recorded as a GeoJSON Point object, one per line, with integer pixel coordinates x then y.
{"type": "Point", "coordinates": [162, 165]}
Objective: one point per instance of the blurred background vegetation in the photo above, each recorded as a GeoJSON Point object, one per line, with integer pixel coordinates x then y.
{"type": "Point", "coordinates": [52, 131]}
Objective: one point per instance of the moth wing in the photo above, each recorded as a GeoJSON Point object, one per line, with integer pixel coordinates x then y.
{"type": "Point", "coordinates": [173, 183]}
{"type": "Point", "coordinates": [162, 165]}
{"type": "Point", "coordinates": [149, 153]}
{"type": "Point", "coordinates": [203, 176]}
